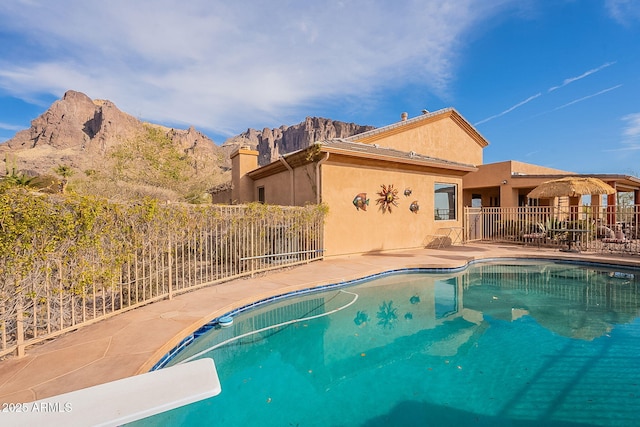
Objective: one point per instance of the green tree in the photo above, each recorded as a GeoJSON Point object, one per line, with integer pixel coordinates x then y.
{"type": "Point", "coordinates": [65, 172]}
{"type": "Point", "coordinates": [12, 177]}
{"type": "Point", "coordinates": [18, 179]}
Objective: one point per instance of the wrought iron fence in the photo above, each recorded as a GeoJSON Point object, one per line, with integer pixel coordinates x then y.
{"type": "Point", "coordinates": [73, 285]}
{"type": "Point", "coordinates": [601, 229]}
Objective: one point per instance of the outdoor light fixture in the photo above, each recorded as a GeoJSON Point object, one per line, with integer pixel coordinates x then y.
{"type": "Point", "coordinates": [504, 181]}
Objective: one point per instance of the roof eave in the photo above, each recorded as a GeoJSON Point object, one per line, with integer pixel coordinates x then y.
{"type": "Point", "coordinates": [277, 166]}
{"type": "Point", "coordinates": [416, 161]}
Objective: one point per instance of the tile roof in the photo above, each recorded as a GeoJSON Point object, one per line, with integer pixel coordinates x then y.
{"type": "Point", "coordinates": [343, 144]}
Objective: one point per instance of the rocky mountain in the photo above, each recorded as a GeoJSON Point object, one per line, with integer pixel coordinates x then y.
{"type": "Point", "coordinates": [100, 142]}
{"type": "Point", "coordinates": [271, 143]}
{"type": "Point", "coordinates": [113, 154]}
{"type": "Point", "coordinates": [77, 131]}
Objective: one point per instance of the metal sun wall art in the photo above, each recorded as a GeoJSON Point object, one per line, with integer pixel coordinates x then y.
{"type": "Point", "coordinates": [361, 201]}
{"type": "Point", "coordinates": [388, 197]}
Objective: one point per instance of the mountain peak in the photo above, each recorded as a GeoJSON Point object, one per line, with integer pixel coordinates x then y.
{"type": "Point", "coordinates": [272, 143]}
{"type": "Point", "coordinates": [92, 135]}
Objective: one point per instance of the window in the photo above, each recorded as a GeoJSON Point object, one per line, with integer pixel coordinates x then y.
{"type": "Point", "coordinates": [476, 200]}
{"type": "Point", "coordinates": [260, 194]}
{"type": "Point", "coordinates": [444, 201]}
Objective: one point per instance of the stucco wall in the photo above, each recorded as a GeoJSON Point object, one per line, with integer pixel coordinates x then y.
{"type": "Point", "coordinates": [277, 187]}
{"type": "Point", "coordinates": [528, 168]}
{"type": "Point", "coordinates": [488, 175]}
{"type": "Point", "coordinates": [493, 174]}
{"type": "Point", "coordinates": [305, 184]}
{"type": "Point", "coordinates": [349, 231]}
{"type": "Point", "coordinates": [497, 178]}
{"type": "Point", "coordinates": [439, 137]}
{"type": "Point", "coordinates": [222, 197]}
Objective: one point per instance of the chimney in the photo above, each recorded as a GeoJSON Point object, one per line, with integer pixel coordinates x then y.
{"type": "Point", "coordinates": [243, 160]}
{"type": "Point", "coordinates": [403, 116]}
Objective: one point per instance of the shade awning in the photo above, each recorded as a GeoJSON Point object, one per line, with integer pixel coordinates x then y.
{"type": "Point", "coordinates": [572, 187]}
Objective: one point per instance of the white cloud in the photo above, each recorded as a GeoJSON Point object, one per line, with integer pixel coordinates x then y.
{"type": "Point", "coordinates": [10, 127]}
{"type": "Point", "coordinates": [219, 65]}
{"type": "Point", "coordinates": [631, 131]}
{"type": "Point", "coordinates": [623, 11]}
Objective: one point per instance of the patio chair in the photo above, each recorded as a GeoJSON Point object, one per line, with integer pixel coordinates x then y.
{"type": "Point", "coordinates": [616, 241]}
{"type": "Point", "coordinates": [539, 236]}
{"type": "Point", "coordinates": [602, 231]}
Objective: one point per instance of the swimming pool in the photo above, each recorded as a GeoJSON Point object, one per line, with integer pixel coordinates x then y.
{"type": "Point", "coordinates": [523, 343]}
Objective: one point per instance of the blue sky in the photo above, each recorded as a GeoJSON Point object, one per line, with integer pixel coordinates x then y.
{"type": "Point", "coordinates": [553, 82]}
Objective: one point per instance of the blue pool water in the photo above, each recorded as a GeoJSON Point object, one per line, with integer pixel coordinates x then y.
{"type": "Point", "coordinates": [524, 344]}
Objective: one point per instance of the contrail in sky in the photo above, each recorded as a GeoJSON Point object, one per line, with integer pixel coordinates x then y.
{"type": "Point", "coordinates": [581, 76]}
{"type": "Point", "coordinates": [586, 97]}
{"type": "Point", "coordinates": [564, 83]}
{"type": "Point", "coordinates": [520, 104]}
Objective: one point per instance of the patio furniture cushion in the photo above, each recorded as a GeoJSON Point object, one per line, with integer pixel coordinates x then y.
{"type": "Point", "coordinates": [606, 232]}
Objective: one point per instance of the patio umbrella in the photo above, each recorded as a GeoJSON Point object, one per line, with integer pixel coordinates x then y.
{"type": "Point", "coordinates": [571, 186]}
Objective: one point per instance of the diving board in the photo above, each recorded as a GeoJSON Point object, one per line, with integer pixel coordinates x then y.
{"type": "Point", "coordinates": [120, 402]}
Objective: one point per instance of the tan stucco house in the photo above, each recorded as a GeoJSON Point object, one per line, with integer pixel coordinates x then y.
{"type": "Point", "coordinates": [419, 161]}
{"type": "Point", "coordinates": [506, 184]}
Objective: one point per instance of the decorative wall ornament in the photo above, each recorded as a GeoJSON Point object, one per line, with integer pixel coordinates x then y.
{"type": "Point", "coordinates": [414, 207]}
{"type": "Point", "coordinates": [407, 192]}
{"type": "Point", "coordinates": [388, 197]}
{"type": "Point", "coordinates": [361, 201]}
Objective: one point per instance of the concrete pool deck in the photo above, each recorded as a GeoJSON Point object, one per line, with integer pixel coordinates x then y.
{"type": "Point", "coordinates": [131, 343]}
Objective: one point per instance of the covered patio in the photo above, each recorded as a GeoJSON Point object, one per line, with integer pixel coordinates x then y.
{"type": "Point", "coordinates": [507, 184]}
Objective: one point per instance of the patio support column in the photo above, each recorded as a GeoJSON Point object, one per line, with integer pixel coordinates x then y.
{"type": "Point", "coordinates": [508, 196]}
{"type": "Point", "coordinates": [596, 202]}
{"type": "Point", "coordinates": [574, 208]}
{"type": "Point", "coordinates": [612, 202]}
{"type": "Point", "coordinates": [636, 209]}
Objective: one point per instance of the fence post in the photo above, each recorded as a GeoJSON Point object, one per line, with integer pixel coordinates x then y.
{"type": "Point", "coordinates": [253, 253]}
{"type": "Point", "coordinates": [170, 262]}
{"type": "Point", "coordinates": [3, 328]}
{"type": "Point", "coordinates": [19, 329]}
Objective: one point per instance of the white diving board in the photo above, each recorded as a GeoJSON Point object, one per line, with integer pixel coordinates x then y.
{"type": "Point", "coordinates": [120, 402]}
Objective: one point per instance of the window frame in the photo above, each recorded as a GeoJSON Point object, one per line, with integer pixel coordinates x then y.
{"type": "Point", "coordinates": [452, 210]}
